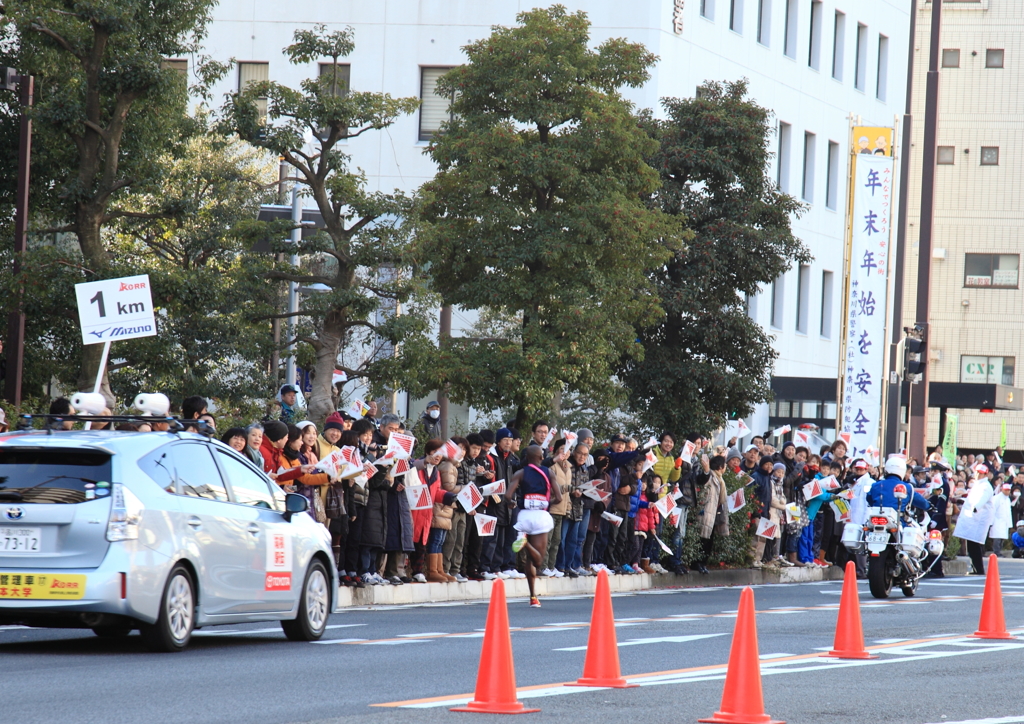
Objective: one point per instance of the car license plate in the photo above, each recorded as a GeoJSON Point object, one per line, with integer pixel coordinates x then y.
{"type": "Point", "coordinates": [64, 586]}
{"type": "Point", "coordinates": [21, 540]}
{"type": "Point", "coordinates": [877, 538]}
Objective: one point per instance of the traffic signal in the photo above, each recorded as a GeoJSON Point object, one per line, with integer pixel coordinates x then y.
{"type": "Point", "coordinates": [915, 353]}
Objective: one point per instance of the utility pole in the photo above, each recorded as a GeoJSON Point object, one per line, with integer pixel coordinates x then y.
{"type": "Point", "coordinates": [891, 441]}
{"type": "Point", "coordinates": [444, 338]}
{"type": "Point", "coordinates": [919, 400]}
{"type": "Point", "coordinates": [16, 320]}
{"type": "Point", "coordinates": [275, 326]}
{"type": "Point", "coordinates": [293, 287]}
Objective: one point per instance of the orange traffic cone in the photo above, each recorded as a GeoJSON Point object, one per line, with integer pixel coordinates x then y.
{"type": "Point", "coordinates": [992, 624]}
{"type": "Point", "coordinates": [849, 641]}
{"type": "Point", "coordinates": [601, 667]}
{"type": "Point", "coordinates": [742, 699]}
{"type": "Point", "coordinates": [496, 677]}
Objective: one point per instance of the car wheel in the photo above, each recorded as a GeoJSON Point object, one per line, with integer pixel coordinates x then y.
{"type": "Point", "coordinates": [112, 632]}
{"type": "Point", "coordinates": [314, 606]}
{"type": "Point", "coordinates": [173, 627]}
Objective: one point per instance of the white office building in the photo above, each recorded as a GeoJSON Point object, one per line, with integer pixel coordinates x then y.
{"type": "Point", "coordinates": [815, 63]}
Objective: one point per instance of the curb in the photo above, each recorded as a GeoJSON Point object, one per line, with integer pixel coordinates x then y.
{"type": "Point", "coordinates": [516, 588]}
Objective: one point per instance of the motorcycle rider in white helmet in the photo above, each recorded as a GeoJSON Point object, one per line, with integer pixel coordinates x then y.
{"type": "Point", "coordinates": [892, 492]}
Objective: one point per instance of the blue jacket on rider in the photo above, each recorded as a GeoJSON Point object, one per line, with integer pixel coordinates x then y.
{"type": "Point", "coordinates": [881, 494]}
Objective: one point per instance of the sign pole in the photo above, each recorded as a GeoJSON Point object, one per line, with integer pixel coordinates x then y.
{"type": "Point", "coordinates": [102, 367]}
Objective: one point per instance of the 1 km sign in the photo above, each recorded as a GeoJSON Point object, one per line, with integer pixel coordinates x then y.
{"type": "Point", "coordinates": [115, 309]}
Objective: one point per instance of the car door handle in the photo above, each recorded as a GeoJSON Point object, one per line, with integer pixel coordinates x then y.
{"type": "Point", "coordinates": [254, 529]}
{"type": "Point", "coordinates": [195, 522]}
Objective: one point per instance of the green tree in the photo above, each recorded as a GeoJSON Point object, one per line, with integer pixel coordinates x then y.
{"type": "Point", "coordinates": [706, 359]}
{"type": "Point", "coordinates": [360, 256]}
{"type": "Point", "coordinates": [209, 291]}
{"type": "Point", "coordinates": [107, 108]}
{"type": "Point", "coordinates": [536, 212]}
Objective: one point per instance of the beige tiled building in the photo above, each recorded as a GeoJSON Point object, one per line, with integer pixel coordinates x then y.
{"type": "Point", "coordinates": [977, 306]}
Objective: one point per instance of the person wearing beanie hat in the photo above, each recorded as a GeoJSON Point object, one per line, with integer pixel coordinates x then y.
{"type": "Point", "coordinates": [585, 436]}
{"type": "Point", "coordinates": [275, 437]}
{"type": "Point", "coordinates": [499, 435]}
{"type": "Point", "coordinates": [331, 436]}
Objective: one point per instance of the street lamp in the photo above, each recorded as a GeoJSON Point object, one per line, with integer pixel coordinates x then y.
{"type": "Point", "coordinates": [11, 80]}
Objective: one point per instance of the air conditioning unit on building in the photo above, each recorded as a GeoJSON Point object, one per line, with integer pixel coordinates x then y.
{"type": "Point", "coordinates": [935, 354]}
{"type": "Point", "coordinates": [939, 254]}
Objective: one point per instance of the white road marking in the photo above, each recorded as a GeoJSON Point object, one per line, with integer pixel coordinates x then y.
{"type": "Point", "coordinates": [277, 629]}
{"type": "Point", "coordinates": [769, 668]}
{"type": "Point", "coordinates": [394, 643]}
{"type": "Point", "coordinates": [1001, 720]}
{"type": "Point", "coordinates": [890, 641]}
{"type": "Point", "coordinates": [337, 641]}
{"type": "Point", "coordinates": [659, 640]}
{"type": "Point", "coordinates": [431, 633]}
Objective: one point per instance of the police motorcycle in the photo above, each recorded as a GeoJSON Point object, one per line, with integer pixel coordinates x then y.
{"type": "Point", "coordinates": [896, 540]}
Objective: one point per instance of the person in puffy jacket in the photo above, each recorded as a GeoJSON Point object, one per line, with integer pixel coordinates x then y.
{"type": "Point", "coordinates": [1018, 540]}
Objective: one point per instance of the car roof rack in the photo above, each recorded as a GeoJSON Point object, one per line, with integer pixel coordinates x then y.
{"type": "Point", "coordinates": [175, 424]}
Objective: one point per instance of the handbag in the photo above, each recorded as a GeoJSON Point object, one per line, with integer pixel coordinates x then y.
{"type": "Point", "coordinates": [334, 506]}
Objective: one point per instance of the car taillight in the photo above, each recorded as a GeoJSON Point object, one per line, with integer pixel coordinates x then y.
{"type": "Point", "coordinates": [125, 514]}
{"type": "Point", "coordinates": [876, 520]}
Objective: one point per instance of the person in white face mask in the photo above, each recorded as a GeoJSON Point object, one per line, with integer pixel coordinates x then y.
{"type": "Point", "coordinates": [428, 427]}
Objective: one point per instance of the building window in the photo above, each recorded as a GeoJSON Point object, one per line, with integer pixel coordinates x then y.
{"type": "Point", "coordinates": [789, 39]}
{"type": "Point", "coordinates": [832, 178]}
{"type": "Point", "coordinates": [951, 58]}
{"type": "Point", "coordinates": [736, 16]}
{"type": "Point", "coordinates": [782, 166]}
{"type": "Point", "coordinates": [994, 58]}
{"type": "Point", "coordinates": [176, 64]}
{"type": "Point", "coordinates": [826, 304]}
{"type": "Point", "coordinates": [803, 298]}
{"type": "Point", "coordinates": [752, 306]}
{"type": "Point", "coordinates": [764, 22]}
{"type": "Point", "coordinates": [434, 109]}
{"type": "Point", "coordinates": [249, 73]}
{"type": "Point", "coordinates": [946, 155]}
{"type": "Point", "coordinates": [814, 49]}
{"type": "Point", "coordinates": [882, 73]}
{"type": "Point", "coordinates": [978, 370]}
{"type": "Point", "coordinates": [991, 270]}
{"type": "Point", "coordinates": [860, 65]}
{"type": "Point", "coordinates": [338, 76]}
{"type": "Point", "coordinates": [778, 297]}
{"type": "Point", "coordinates": [838, 45]}
{"type": "Point", "coordinates": [990, 155]}
{"type": "Point", "coordinates": [807, 187]}
{"type": "Point", "coordinates": [707, 9]}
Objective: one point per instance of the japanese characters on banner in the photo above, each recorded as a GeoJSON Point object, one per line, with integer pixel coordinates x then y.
{"type": "Point", "coordinates": [485, 524]}
{"type": "Point", "coordinates": [863, 369]}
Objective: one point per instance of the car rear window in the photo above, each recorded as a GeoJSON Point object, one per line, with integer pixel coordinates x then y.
{"type": "Point", "coordinates": [53, 476]}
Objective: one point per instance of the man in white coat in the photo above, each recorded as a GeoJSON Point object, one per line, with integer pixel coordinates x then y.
{"type": "Point", "coordinates": [1002, 518]}
{"type": "Point", "coordinates": [976, 519]}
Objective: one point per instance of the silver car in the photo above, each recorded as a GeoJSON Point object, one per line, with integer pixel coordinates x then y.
{"type": "Point", "coordinates": [157, 531]}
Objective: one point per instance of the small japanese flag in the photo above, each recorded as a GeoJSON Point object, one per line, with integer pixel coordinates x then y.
{"type": "Point", "coordinates": [650, 443]}
{"type": "Point", "coordinates": [339, 376]}
{"type": "Point", "coordinates": [688, 447]}
{"type": "Point", "coordinates": [570, 439]}
{"type": "Point", "coordinates": [649, 460]}
{"type": "Point", "coordinates": [615, 520]}
{"type": "Point", "coordinates": [419, 497]}
{"type": "Point", "coordinates": [470, 497]}
{"type": "Point", "coordinates": [780, 431]}
{"type": "Point", "coordinates": [801, 438]}
{"type": "Point", "coordinates": [666, 505]}
{"type": "Point", "coordinates": [401, 468]}
{"type": "Point", "coordinates": [400, 445]}
{"type": "Point", "coordinates": [767, 529]}
{"type": "Point", "coordinates": [452, 450]}
{"type": "Point", "coordinates": [736, 501]}
{"type": "Point", "coordinates": [358, 409]}
{"type": "Point", "coordinates": [485, 524]}
{"type": "Point", "coordinates": [742, 429]}
{"type": "Point", "coordinates": [830, 483]}
{"type": "Point", "coordinates": [495, 488]}
{"type": "Point", "coordinates": [550, 436]}
{"type": "Point", "coordinates": [812, 489]}
{"type": "Point", "coordinates": [845, 437]}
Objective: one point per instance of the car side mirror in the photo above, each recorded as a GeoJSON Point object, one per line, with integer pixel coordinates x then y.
{"type": "Point", "coordinates": [294, 503]}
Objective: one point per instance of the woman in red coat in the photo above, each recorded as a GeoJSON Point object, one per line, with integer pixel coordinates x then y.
{"type": "Point", "coordinates": [429, 475]}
